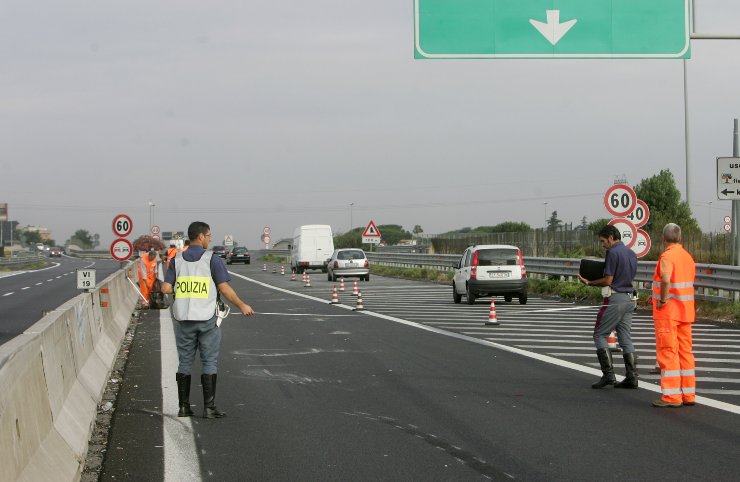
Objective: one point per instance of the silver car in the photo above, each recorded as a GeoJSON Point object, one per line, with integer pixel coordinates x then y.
{"type": "Point", "coordinates": [348, 262]}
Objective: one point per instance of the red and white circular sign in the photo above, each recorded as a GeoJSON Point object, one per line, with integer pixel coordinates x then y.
{"type": "Point", "coordinates": [620, 200]}
{"type": "Point", "coordinates": [122, 225]}
{"type": "Point", "coordinates": [640, 215]}
{"type": "Point", "coordinates": [156, 236]}
{"type": "Point", "coordinates": [266, 230]}
{"type": "Point", "coordinates": [728, 219]}
{"type": "Point", "coordinates": [642, 244]}
{"type": "Point", "coordinates": [626, 229]}
{"type": "Point", "coordinates": [266, 239]}
{"type": "Point", "coordinates": [155, 230]}
{"type": "Point", "coordinates": [121, 249]}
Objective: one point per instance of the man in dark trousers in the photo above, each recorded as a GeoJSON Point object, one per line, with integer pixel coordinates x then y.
{"type": "Point", "coordinates": [198, 279]}
{"type": "Point", "coordinates": [620, 267]}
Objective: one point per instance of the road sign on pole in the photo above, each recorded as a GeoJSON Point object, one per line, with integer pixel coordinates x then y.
{"type": "Point", "coordinates": [155, 230]}
{"type": "Point", "coordinates": [85, 279]}
{"type": "Point", "coordinates": [642, 243]}
{"type": "Point", "coordinates": [122, 225]}
{"type": "Point", "coordinates": [620, 200]}
{"type": "Point", "coordinates": [371, 234]}
{"type": "Point", "coordinates": [640, 215]}
{"type": "Point", "coordinates": [626, 229]}
{"type": "Point", "coordinates": [505, 29]}
{"type": "Point", "coordinates": [728, 178]}
{"type": "Point", "coordinates": [121, 249]}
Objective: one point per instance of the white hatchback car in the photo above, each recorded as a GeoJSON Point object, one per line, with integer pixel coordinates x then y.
{"type": "Point", "coordinates": [490, 270]}
{"type": "Point", "coordinates": [348, 262]}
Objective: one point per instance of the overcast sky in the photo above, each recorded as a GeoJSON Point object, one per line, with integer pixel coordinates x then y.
{"type": "Point", "coordinates": [246, 114]}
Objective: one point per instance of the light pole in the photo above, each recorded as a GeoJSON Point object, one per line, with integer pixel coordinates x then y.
{"type": "Point", "coordinates": [710, 218]}
{"type": "Point", "coordinates": [545, 203]}
{"type": "Point", "coordinates": [151, 205]}
{"type": "Point", "coordinates": [350, 215]}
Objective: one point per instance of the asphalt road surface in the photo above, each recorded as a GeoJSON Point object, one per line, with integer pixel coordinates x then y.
{"type": "Point", "coordinates": [403, 391]}
{"type": "Point", "coordinates": [26, 295]}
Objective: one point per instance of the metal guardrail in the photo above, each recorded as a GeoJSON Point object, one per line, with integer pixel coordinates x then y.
{"type": "Point", "coordinates": [713, 282]}
{"type": "Point", "coordinates": [20, 260]}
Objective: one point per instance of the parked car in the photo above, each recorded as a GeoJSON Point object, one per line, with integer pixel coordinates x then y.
{"type": "Point", "coordinates": [56, 251]}
{"type": "Point", "coordinates": [348, 262]}
{"type": "Point", "coordinates": [490, 270]}
{"type": "Point", "coordinates": [220, 251]}
{"type": "Point", "coordinates": [240, 254]}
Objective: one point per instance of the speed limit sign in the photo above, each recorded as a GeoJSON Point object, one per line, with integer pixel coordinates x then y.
{"type": "Point", "coordinates": [640, 215]}
{"type": "Point", "coordinates": [627, 230]}
{"type": "Point", "coordinates": [620, 200]}
{"type": "Point", "coordinates": [122, 225]}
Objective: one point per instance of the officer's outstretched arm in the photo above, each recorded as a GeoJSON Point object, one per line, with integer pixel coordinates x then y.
{"type": "Point", "coordinates": [228, 292]}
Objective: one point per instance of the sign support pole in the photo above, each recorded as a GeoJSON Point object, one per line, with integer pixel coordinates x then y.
{"type": "Point", "coordinates": [735, 204]}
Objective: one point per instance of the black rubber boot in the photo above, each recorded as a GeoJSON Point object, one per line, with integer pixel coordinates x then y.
{"type": "Point", "coordinates": [630, 365]}
{"type": "Point", "coordinates": [209, 397]}
{"type": "Point", "coordinates": [605, 360]}
{"type": "Point", "coordinates": [183, 394]}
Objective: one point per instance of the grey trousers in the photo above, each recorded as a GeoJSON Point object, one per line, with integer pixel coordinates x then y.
{"type": "Point", "coordinates": [203, 336]}
{"type": "Point", "coordinates": [615, 314]}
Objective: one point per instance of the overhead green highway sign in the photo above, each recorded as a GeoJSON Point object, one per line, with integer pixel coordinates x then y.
{"type": "Point", "coordinates": [505, 29]}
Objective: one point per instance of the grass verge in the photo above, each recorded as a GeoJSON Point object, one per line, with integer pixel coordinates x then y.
{"type": "Point", "coordinates": [271, 258]}
{"type": "Point", "coordinates": [709, 310]}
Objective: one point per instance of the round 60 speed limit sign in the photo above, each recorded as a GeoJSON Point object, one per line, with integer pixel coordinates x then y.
{"type": "Point", "coordinates": [626, 229]}
{"type": "Point", "coordinates": [122, 225]}
{"type": "Point", "coordinates": [620, 200]}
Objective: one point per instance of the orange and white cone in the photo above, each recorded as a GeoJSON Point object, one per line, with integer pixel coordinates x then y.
{"type": "Point", "coordinates": [492, 320]}
{"type": "Point", "coordinates": [264, 267]}
{"type": "Point", "coordinates": [359, 306]}
{"type": "Point", "coordinates": [612, 341]}
{"type": "Point", "coordinates": [282, 270]}
{"type": "Point", "coordinates": [292, 276]}
{"type": "Point", "coordinates": [304, 277]}
{"type": "Point", "coordinates": [308, 281]}
{"type": "Point", "coordinates": [274, 269]}
{"type": "Point", "coordinates": [334, 296]}
{"type": "Point", "coordinates": [341, 284]}
{"type": "Point", "coordinates": [355, 289]}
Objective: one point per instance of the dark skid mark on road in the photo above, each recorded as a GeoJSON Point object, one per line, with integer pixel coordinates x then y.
{"type": "Point", "coordinates": [467, 458]}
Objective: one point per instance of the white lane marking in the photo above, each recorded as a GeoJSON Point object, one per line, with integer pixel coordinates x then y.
{"type": "Point", "coordinates": [295, 314]}
{"type": "Point", "coordinates": [710, 402]}
{"type": "Point", "coordinates": [60, 276]}
{"type": "Point", "coordinates": [25, 288]}
{"type": "Point", "coordinates": [8, 294]}
{"type": "Point", "coordinates": [39, 284]}
{"type": "Point", "coordinates": [50, 279]}
{"type": "Point", "coordinates": [181, 461]}
{"type": "Point", "coordinates": [56, 265]}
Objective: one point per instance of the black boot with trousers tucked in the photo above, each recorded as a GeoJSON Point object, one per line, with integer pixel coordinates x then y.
{"type": "Point", "coordinates": [183, 394]}
{"type": "Point", "coordinates": [630, 365]}
{"type": "Point", "coordinates": [605, 360]}
{"type": "Point", "coordinates": [209, 397]}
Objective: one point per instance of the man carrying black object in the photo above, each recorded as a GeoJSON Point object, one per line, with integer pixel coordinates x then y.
{"type": "Point", "coordinates": [198, 278]}
{"type": "Point", "coordinates": [620, 266]}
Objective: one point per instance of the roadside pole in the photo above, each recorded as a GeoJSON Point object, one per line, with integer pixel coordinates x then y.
{"type": "Point", "coordinates": [735, 204]}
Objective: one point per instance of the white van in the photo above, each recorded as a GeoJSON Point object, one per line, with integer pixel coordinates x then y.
{"type": "Point", "coordinates": [313, 244]}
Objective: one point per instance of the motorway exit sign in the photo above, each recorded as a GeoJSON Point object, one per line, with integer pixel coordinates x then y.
{"type": "Point", "coordinates": [501, 29]}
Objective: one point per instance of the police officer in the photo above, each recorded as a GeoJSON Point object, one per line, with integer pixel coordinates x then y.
{"type": "Point", "coordinates": [673, 315]}
{"type": "Point", "coordinates": [197, 279]}
{"type": "Point", "coordinates": [620, 267]}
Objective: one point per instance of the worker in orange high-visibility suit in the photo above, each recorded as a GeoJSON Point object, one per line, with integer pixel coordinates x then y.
{"type": "Point", "coordinates": [147, 274]}
{"type": "Point", "coordinates": [171, 253]}
{"type": "Point", "coordinates": [673, 315]}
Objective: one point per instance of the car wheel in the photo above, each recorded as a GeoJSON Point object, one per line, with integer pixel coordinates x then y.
{"type": "Point", "coordinates": [228, 262]}
{"type": "Point", "coordinates": [367, 277]}
{"type": "Point", "coordinates": [523, 299]}
{"type": "Point", "coordinates": [247, 262]}
{"type": "Point", "coordinates": [470, 297]}
{"type": "Point", "coordinates": [456, 297]}
{"type": "Point", "coordinates": [508, 298]}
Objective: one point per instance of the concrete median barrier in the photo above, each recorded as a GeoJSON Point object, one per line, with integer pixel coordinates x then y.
{"type": "Point", "coordinates": [53, 377]}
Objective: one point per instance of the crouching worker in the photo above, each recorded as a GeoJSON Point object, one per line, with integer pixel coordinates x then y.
{"type": "Point", "coordinates": [620, 267]}
{"type": "Point", "coordinates": [197, 278]}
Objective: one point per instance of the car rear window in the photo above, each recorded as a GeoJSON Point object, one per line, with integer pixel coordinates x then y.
{"type": "Point", "coordinates": [240, 250]}
{"type": "Point", "coordinates": [497, 257]}
{"type": "Point", "coordinates": [354, 254]}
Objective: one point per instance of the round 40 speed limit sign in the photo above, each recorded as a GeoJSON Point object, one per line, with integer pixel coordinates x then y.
{"type": "Point", "coordinates": [620, 200]}
{"type": "Point", "coordinates": [122, 225]}
{"type": "Point", "coordinates": [640, 215]}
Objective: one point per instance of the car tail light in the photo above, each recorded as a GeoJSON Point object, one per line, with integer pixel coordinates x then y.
{"type": "Point", "coordinates": [367, 264]}
{"type": "Point", "coordinates": [521, 263]}
{"type": "Point", "coordinates": [474, 268]}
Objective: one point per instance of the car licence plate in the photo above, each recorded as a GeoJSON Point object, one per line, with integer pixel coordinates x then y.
{"type": "Point", "coordinates": [499, 274]}
{"type": "Point", "coordinates": [351, 265]}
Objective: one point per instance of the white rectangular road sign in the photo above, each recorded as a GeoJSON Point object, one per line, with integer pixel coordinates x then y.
{"type": "Point", "coordinates": [728, 178]}
{"type": "Point", "coordinates": [371, 240]}
{"type": "Point", "coordinates": [85, 279]}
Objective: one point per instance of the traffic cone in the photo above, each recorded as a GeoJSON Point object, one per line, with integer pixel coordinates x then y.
{"type": "Point", "coordinates": [334, 296]}
{"type": "Point", "coordinates": [274, 269]}
{"type": "Point", "coordinates": [355, 289]}
{"type": "Point", "coordinates": [359, 306]}
{"type": "Point", "coordinates": [282, 270]}
{"type": "Point", "coordinates": [341, 284]}
{"type": "Point", "coordinates": [303, 278]}
{"type": "Point", "coordinates": [612, 341]}
{"type": "Point", "coordinates": [264, 267]}
{"type": "Point", "coordinates": [492, 320]}
{"type": "Point", "coordinates": [292, 276]}
{"type": "Point", "coordinates": [308, 281]}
